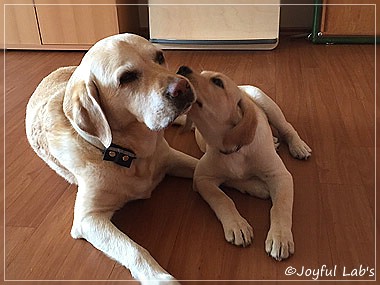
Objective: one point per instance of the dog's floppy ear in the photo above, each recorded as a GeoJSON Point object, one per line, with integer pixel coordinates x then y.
{"type": "Point", "coordinates": [244, 131]}
{"type": "Point", "coordinates": [81, 106]}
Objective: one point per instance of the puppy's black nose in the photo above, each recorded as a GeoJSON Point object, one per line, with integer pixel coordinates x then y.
{"type": "Point", "coordinates": [184, 70]}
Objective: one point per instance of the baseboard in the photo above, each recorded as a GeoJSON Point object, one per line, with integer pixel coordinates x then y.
{"type": "Point", "coordinates": [252, 44]}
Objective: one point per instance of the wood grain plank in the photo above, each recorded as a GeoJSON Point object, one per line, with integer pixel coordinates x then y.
{"type": "Point", "coordinates": [154, 223]}
{"type": "Point", "coordinates": [48, 246]}
{"type": "Point", "coordinates": [15, 238]}
{"type": "Point", "coordinates": [351, 226]}
{"type": "Point", "coordinates": [93, 263]}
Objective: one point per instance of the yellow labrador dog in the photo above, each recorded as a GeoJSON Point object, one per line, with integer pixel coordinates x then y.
{"type": "Point", "coordinates": [99, 125]}
{"type": "Point", "coordinates": [232, 129]}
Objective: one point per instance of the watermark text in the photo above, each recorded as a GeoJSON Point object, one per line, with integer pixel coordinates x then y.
{"type": "Point", "coordinates": [325, 272]}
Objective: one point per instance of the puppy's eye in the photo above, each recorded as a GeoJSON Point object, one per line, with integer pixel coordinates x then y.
{"type": "Point", "coordinates": [160, 59]}
{"type": "Point", "coordinates": [218, 82]}
{"type": "Point", "coordinates": [128, 77]}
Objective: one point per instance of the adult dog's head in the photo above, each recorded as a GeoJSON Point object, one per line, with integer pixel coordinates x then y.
{"type": "Point", "coordinates": [121, 79]}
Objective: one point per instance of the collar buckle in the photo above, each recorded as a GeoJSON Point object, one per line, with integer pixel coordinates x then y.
{"type": "Point", "coordinates": [227, 152]}
{"type": "Point", "coordinates": [120, 156]}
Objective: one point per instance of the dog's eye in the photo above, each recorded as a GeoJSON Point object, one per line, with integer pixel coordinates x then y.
{"type": "Point", "coordinates": [160, 59]}
{"type": "Point", "coordinates": [218, 82]}
{"type": "Point", "coordinates": [128, 77]}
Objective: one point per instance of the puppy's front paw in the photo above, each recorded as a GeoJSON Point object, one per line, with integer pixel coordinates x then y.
{"type": "Point", "coordinates": [238, 232]}
{"type": "Point", "coordinates": [299, 149]}
{"type": "Point", "coordinates": [279, 244]}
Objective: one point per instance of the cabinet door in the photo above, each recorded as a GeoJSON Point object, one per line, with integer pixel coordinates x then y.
{"type": "Point", "coordinates": [349, 20]}
{"type": "Point", "coordinates": [20, 23]}
{"type": "Point", "coordinates": [76, 22]}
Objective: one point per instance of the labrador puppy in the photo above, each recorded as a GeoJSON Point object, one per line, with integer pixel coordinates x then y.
{"type": "Point", "coordinates": [233, 129]}
{"type": "Point", "coordinates": [100, 125]}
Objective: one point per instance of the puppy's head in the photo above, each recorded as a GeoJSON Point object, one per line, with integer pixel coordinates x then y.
{"type": "Point", "coordinates": [221, 113]}
{"type": "Point", "coordinates": [120, 79]}
{"type": "Point", "coordinates": [217, 100]}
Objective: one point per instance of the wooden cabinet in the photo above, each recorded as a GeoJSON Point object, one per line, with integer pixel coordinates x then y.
{"type": "Point", "coordinates": [355, 20]}
{"type": "Point", "coordinates": [72, 24]}
{"type": "Point", "coordinates": [66, 24]}
{"type": "Point", "coordinates": [352, 22]}
{"type": "Point", "coordinates": [20, 22]}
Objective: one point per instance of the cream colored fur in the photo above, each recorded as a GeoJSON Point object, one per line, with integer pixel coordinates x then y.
{"type": "Point", "coordinates": [233, 129]}
{"type": "Point", "coordinates": [77, 111]}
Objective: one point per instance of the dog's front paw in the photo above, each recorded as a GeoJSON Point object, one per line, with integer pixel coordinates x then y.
{"type": "Point", "coordinates": [162, 279]}
{"type": "Point", "coordinates": [279, 244]}
{"type": "Point", "coordinates": [238, 232]}
{"type": "Point", "coordinates": [299, 149]}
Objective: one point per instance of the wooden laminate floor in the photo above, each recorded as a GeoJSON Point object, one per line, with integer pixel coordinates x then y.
{"type": "Point", "coordinates": [327, 92]}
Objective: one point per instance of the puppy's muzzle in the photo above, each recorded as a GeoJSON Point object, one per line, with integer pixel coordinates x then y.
{"type": "Point", "coordinates": [179, 92]}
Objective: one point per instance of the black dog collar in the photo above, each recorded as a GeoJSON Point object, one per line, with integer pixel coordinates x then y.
{"type": "Point", "coordinates": [119, 155]}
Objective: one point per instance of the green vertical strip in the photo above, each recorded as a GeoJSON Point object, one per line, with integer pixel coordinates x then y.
{"type": "Point", "coordinates": [317, 20]}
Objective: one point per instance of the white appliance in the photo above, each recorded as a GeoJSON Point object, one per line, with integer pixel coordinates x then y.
{"type": "Point", "coordinates": [214, 24]}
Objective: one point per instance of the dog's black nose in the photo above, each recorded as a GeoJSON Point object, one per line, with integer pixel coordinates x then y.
{"type": "Point", "coordinates": [184, 70]}
{"type": "Point", "coordinates": [180, 87]}
{"type": "Point", "coordinates": [180, 94]}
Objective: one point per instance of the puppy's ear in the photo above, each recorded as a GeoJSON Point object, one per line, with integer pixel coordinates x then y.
{"type": "Point", "coordinates": [244, 131]}
{"type": "Point", "coordinates": [81, 106]}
